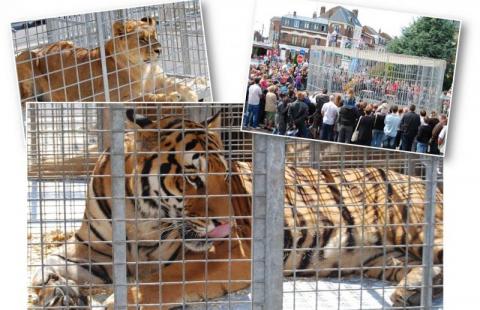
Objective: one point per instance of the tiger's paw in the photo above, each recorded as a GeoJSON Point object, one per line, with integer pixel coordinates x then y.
{"type": "Point", "coordinates": [408, 292]}
{"type": "Point", "coordinates": [57, 291]}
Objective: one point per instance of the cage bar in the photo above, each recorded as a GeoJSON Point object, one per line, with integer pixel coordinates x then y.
{"type": "Point", "coordinates": [119, 241]}
{"type": "Point", "coordinates": [268, 221]}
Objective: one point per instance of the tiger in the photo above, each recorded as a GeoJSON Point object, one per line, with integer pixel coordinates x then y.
{"type": "Point", "coordinates": [62, 71]}
{"type": "Point", "coordinates": [338, 223]}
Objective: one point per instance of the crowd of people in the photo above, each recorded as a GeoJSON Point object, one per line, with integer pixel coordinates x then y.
{"type": "Point", "coordinates": [277, 102]}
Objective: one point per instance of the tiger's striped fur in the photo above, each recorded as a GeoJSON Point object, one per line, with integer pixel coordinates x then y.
{"type": "Point", "coordinates": [337, 223]}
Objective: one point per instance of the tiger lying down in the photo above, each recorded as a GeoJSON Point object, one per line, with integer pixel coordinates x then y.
{"type": "Point", "coordinates": [166, 197]}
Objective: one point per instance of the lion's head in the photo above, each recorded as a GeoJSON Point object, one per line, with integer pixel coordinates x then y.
{"type": "Point", "coordinates": [135, 39]}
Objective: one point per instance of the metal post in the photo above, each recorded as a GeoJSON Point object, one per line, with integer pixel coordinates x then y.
{"type": "Point", "coordinates": [105, 123]}
{"type": "Point", "coordinates": [429, 231]}
{"type": "Point", "coordinates": [118, 206]}
{"type": "Point", "coordinates": [185, 44]}
{"type": "Point", "coordinates": [268, 222]}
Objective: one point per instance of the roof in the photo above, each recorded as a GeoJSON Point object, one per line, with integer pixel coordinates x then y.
{"type": "Point", "coordinates": [320, 20]}
{"type": "Point", "coordinates": [369, 30]}
{"type": "Point", "coordinates": [392, 58]}
{"type": "Point", "coordinates": [342, 15]}
{"type": "Point", "coordinates": [385, 35]}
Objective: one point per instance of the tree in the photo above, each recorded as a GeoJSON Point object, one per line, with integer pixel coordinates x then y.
{"type": "Point", "coordinates": [430, 37]}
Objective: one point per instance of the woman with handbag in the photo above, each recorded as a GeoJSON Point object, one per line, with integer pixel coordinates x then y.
{"type": "Point", "coordinates": [364, 127]}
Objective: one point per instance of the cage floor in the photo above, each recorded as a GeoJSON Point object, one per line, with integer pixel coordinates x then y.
{"type": "Point", "coordinates": [351, 294]}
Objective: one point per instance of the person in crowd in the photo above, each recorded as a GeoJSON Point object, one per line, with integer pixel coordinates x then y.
{"type": "Point", "coordinates": [423, 117]}
{"type": "Point", "coordinates": [398, 138]}
{"type": "Point", "coordinates": [441, 139]}
{"type": "Point", "coordinates": [336, 126]}
{"type": "Point", "coordinates": [264, 82]}
{"type": "Point", "coordinates": [262, 112]}
{"type": "Point", "coordinates": [433, 119]}
{"type": "Point", "coordinates": [281, 114]}
{"type": "Point", "coordinates": [434, 147]}
{"type": "Point", "coordinates": [424, 134]}
{"type": "Point", "coordinates": [347, 118]}
{"type": "Point", "coordinates": [329, 113]}
{"type": "Point", "coordinates": [298, 113]}
{"type": "Point", "coordinates": [365, 126]}
{"type": "Point", "coordinates": [270, 107]}
{"type": "Point", "coordinates": [409, 125]}
{"type": "Point", "coordinates": [378, 125]}
{"type": "Point", "coordinates": [392, 122]}
{"type": "Point", "coordinates": [254, 95]}
{"type": "Point", "coordinates": [320, 100]}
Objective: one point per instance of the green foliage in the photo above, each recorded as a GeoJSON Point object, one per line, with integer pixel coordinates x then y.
{"type": "Point", "coordinates": [430, 37]}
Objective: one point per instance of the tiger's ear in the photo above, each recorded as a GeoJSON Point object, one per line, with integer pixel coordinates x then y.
{"type": "Point", "coordinates": [150, 20]}
{"type": "Point", "coordinates": [138, 119]}
{"type": "Point", "coordinates": [214, 121]}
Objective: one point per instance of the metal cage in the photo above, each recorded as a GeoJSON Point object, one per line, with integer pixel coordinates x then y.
{"type": "Point", "coordinates": [62, 163]}
{"type": "Point", "coordinates": [323, 179]}
{"type": "Point", "coordinates": [182, 56]}
{"type": "Point", "coordinates": [61, 166]}
{"type": "Point", "coordinates": [375, 76]}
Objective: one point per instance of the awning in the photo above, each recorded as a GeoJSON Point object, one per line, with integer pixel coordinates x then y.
{"type": "Point", "coordinates": [292, 47]}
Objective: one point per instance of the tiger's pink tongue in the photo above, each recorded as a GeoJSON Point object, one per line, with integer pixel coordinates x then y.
{"type": "Point", "coordinates": [220, 231]}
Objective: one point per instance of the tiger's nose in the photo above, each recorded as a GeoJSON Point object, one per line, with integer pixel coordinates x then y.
{"type": "Point", "coordinates": [218, 222]}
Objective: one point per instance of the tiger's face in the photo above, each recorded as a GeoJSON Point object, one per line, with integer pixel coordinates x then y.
{"type": "Point", "coordinates": [137, 40]}
{"type": "Point", "coordinates": [184, 177]}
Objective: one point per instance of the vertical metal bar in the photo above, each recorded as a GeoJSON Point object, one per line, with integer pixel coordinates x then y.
{"type": "Point", "coordinates": [429, 231]}
{"type": "Point", "coordinates": [103, 136]}
{"type": "Point", "coordinates": [185, 44]}
{"type": "Point", "coordinates": [268, 221]}
{"type": "Point", "coordinates": [118, 206]}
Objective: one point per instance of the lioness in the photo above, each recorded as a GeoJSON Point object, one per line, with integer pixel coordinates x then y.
{"type": "Point", "coordinates": [63, 72]}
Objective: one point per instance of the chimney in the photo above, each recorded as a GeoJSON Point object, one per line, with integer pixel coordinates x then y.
{"type": "Point", "coordinates": [355, 13]}
{"type": "Point", "coordinates": [322, 11]}
{"type": "Point", "coordinates": [314, 15]}
{"type": "Point", "coordinates": [294, 13]}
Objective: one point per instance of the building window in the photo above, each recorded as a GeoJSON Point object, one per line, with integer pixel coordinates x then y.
{"type": "Point", "coordinates": [294, 40]}
{"type": "Point", "coordinates": [315, 26]}
{"type": "Point", "coordinates": [317, 41]}
{"type": "Point", "coordinates": [296, 23]}
{"type": "Point", "coordinates": [286, 22]}
{"type": "Point", "coordinates": [324, 28]}
{"type": "Point", "coordinates": [306, 25]}
{"type": "Point", "coordinates": [304, 41]}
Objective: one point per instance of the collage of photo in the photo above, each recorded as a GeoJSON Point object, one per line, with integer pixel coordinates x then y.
{"type": "Point", "coordinates": [321, 188]}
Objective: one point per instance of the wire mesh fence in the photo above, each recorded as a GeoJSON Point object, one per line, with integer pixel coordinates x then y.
{"type": "Point", "coordinates": [156, 212]}
{"type": "Point", "coordinates": [376, 76]}
{"type": "Point", "coordinates": [167, 217]}
{"type": "Point", "coordinates": [151, 53]}
{"type": "Point", "coordinates": [362, 229]}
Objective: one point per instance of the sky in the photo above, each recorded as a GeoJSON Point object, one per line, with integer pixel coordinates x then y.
{"type": "Point", "coordinates": [390, 22]}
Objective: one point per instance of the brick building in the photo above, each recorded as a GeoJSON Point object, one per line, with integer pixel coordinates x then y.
{"type": "Point", "coordinates": [292, 34]}
{"type": "Point", "coordinates": [375, 40]}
